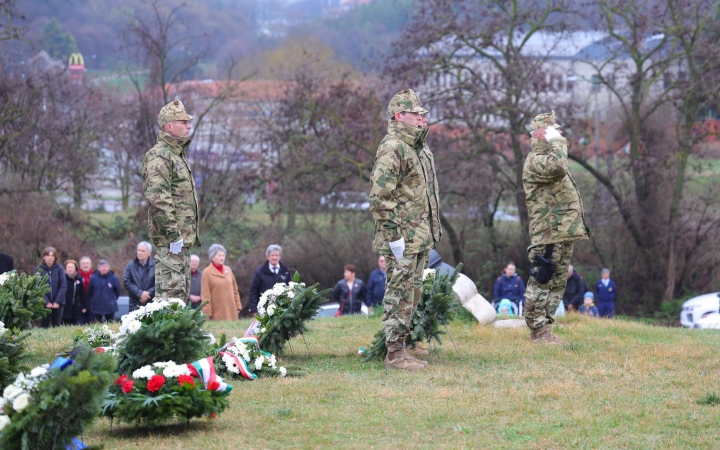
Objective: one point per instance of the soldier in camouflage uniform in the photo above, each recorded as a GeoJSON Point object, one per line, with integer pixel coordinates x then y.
{"type": "Point", "coordinates": [172, 202]}
{"type": "Point", "coordinates": [404, 203]}
{"type": "Point", "coordinates": [556, 218]}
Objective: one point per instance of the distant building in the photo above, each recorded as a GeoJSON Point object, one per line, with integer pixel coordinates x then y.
{"type": "Point", "coordinates": [76, 66]}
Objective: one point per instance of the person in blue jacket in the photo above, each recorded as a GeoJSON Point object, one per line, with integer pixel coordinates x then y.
{"type": "Point", "coordinates": [510, 286]}
{"type": "Point", "coordinates": [375, 289]}
{"type": "Point", "coordinates": [606, 295]}
{"type": "Point", "coordinates": [55, 299]}
{"type": "Point", "coordinates": [103, 293]}
{"type": "Point", "coordinates": [588, 308]}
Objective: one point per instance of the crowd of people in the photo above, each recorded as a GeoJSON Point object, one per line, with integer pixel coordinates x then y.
{"type": "Point", "coordinates": [80, 295]}
{"type": "Point", "coordinates": [509, 294]}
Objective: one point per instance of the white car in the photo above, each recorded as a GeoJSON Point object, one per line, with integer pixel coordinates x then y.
{"type": "Point", "coordinates": [698, 308]}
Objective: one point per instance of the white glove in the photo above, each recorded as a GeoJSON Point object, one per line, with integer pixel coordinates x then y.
{"type": "Point", "coordinates": [398, 248]}
{"type": "Point", "coordinates": [176, 247]}
{"type": "Point", "coordinates": [551, 133]}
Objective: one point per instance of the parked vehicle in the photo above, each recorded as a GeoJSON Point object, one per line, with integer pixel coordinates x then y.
{"type": "Point", "coordinates": [698, 308]}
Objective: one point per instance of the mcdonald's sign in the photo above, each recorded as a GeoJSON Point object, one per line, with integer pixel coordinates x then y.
{"type": "Point", "coordinates": [76, 62]}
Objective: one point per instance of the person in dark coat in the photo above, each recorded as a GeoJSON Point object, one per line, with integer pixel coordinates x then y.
{"type": "Point", "coordinates": [195, 282]}
{"type": "Point", "coordinates": [103, 292]}
{"type": "Point", "coordinates": [266, 276]}
{"type": "Point", "coordinates": [606, 295]}
{"type": "Point", "coordinates": [574, 289]}
{"type": "Point", "coordinates": [74, 295]}
{"type": "Point", "coordinates": [55, 299]}
{"type": "Point", "coordinates": [6, 263]}
{"type": "Point", "coordinates": [588, 308]}
{"type": "Point", "coordinates": [349, 292]}
{"type": "Point", "coordinates": [86, 272]}
{"type": "Point", "coordinates": [510, 286]}
{"type": "Point", "coordinates": [376, 284]}
{"type": "Point", "coordinates": [139, 277]}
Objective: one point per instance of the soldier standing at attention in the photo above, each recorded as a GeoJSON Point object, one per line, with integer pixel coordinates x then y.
{"type": "Point", "coordinates": [404, 203]}
{"type": "Point", "coordinates": [172, 202]}
{"type": "Point", "coordinates": [557, 220]}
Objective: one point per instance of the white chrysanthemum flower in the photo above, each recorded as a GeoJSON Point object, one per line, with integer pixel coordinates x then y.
{"type": "Point", "coordinates": [291, 294]}
{"type": "Point", "coordinates": [283, 371]}
{"type": "Point", "coordinates": [177, 300]}
{"type": "Point", "coordinates": [133, 326]}
{"type": "Point", "coordinates": [143, 372]}
{"type": "Point", "coordinates": [38, 372]}
{"type": "Point", "coordinates": [271, 310]}
{"type": "Point", "coordinates": [259, 362]}
{"type": "Point", "coordinates": [11, 391]}
{"type": "Point", "coordinates": [210, 338]}
{"type": "Point", "coordinates": [163, 365]}
{"type": "Point", "coordinates": [273, 361]}
{"type": "Point", "coordinates": [3, 278]}
{"type": "Point", "coordinates": [175, 371]}
{"type": "Point", "coordinates": [427, 273]}
{"type": "Point", "coordinates": [4, 421]}
{"type": "Point", "coordinates": [21, 402]}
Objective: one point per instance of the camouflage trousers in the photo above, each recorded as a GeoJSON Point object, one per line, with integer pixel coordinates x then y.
{"type": "Point", "coordinates": [542, 300]}
{"type": "Point", "coordinates": [403, 289]}
{"type": "Point", "coordinates": [172, 274]}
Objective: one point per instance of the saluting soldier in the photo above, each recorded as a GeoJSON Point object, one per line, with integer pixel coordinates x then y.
{"type": "Point", "coordinates": [557, 220]}
{"type": "Point", "coordinates": [404, 203]}
{"type": "Point", "coordinates": [172, 202]}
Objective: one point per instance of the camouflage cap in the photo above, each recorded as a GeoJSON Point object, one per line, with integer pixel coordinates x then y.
{"type": "Point", "coordinates": [174, 110]}
{"type": "Point", "coordinates": [407, 101]}
{"type": "Point", "coordinates": [544, 121]}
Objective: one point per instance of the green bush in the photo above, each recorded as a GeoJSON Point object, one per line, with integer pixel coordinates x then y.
{"type": "Point", "coordinates": [21, 299]}
{"type": "Point", "coordinates": [12, 355]}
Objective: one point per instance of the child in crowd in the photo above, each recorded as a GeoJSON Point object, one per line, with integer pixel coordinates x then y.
{"type": "Point", "coordinates": [506, 308]}
{"type": "Point", "coordinates": [588, 308]}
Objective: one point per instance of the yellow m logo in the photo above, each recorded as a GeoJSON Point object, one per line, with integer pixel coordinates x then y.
{"type": "Point", "coordinates": [76, 59]}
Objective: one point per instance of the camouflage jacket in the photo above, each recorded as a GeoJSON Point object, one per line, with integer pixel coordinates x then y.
{"type": "Point", "coordinates": [404, 195]}
{"type": "Point", "coordinates": [170, 193]}
{"type": "Point", "coordinates": [553, 201]}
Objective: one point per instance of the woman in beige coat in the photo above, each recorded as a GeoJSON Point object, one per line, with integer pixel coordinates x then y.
{"type": "Point", "coordinates": [219, 287]}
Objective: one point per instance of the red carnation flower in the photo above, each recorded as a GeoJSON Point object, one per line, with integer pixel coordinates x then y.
{"type": "Point", "coordinates": [155, 383]}
{"type": "Point", "coordinates": [127, 386]}
{"type": "Point", "coordinates": [184, 380]}
{"type": "Point", "coordinates": [122, 379]}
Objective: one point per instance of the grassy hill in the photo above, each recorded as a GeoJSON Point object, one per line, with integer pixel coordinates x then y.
{"type": "Point", "coordinates": [614, 384]}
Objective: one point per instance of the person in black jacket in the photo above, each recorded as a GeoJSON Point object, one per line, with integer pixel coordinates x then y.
{"type": "Point", "coordinates": [103, 292]}
{"type": "Point", "coordinates": [55, 299]}
{"type": "Point", "coordinates": [574, 290]}
{"type": "Point", "coordinates": [139, 277]}
{"type": "Point", "coordinates": [266, 276]}
{"type": "Point", "coordinates": [74, 295]}
{"type": "Point", "coordinates": [376, 284]}
{"type": "Point", "coordinates": [6, 263]}
{"type": "Point", "coordinates": [349, 292]}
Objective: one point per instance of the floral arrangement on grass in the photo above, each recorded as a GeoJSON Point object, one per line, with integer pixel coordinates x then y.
{"type": "Point", "coordinates": [21, 299]}
{"type": "Point", "coordinates": [157, 393]}
{"type": "Point", "coordinates": [162, 330]}
{"type": "Point", "coordinates": [437, 304]}
{"type": "Point", "coordinates": [12, 353]}
{"type": "Point", "coordinates": [283, 311]}
{"type": "Point", "coordinates": [97, 336]}
{"type": "Point", "coordinates": [241, 358]}
{"type": "Point", "coordinates": [49, 406]}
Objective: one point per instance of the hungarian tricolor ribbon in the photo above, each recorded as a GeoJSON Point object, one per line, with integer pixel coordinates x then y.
{"type": "Point", "coordinates": [205, 370]}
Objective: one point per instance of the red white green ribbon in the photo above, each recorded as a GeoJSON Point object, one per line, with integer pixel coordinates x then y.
{"type": "Point", "coordinates": [240, 362]}
{"type": "Point", "coordinates": [205, 370]}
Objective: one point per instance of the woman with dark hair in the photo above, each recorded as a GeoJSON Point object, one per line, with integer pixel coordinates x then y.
{"type": "Point", "coordinates": [55, 299]}
{"type": "Point", "coordinates": [75, 294]}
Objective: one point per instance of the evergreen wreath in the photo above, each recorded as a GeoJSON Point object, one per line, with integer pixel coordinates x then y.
{"type": "Point", "coordinates": [51, 405]}
{"type": "Point", "coordinates": [12, 354]}
{"type": "Point", "coordinates": [21, 299]}
{"type": "Point", "coordinates": [437, 305]}
{"type": "Point", "coordinates": [283, 311]}
{"type": "Point", "coordinates": [162, 330]}
{"type": "Point", "coordinates": [96, 335]}
{"type": "Point", "coordinates": [158, 393]}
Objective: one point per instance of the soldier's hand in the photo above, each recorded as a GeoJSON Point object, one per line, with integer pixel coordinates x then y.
{"type": "Point", "coordinates": [176, 247]}
{"type": "Point", "coordinates": [398, 248]}
{"type": "Point", "coordinates": [551, 133]}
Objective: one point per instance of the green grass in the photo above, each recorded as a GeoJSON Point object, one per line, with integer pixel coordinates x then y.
{"type": "Point", "coordinates": [614, 384]}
